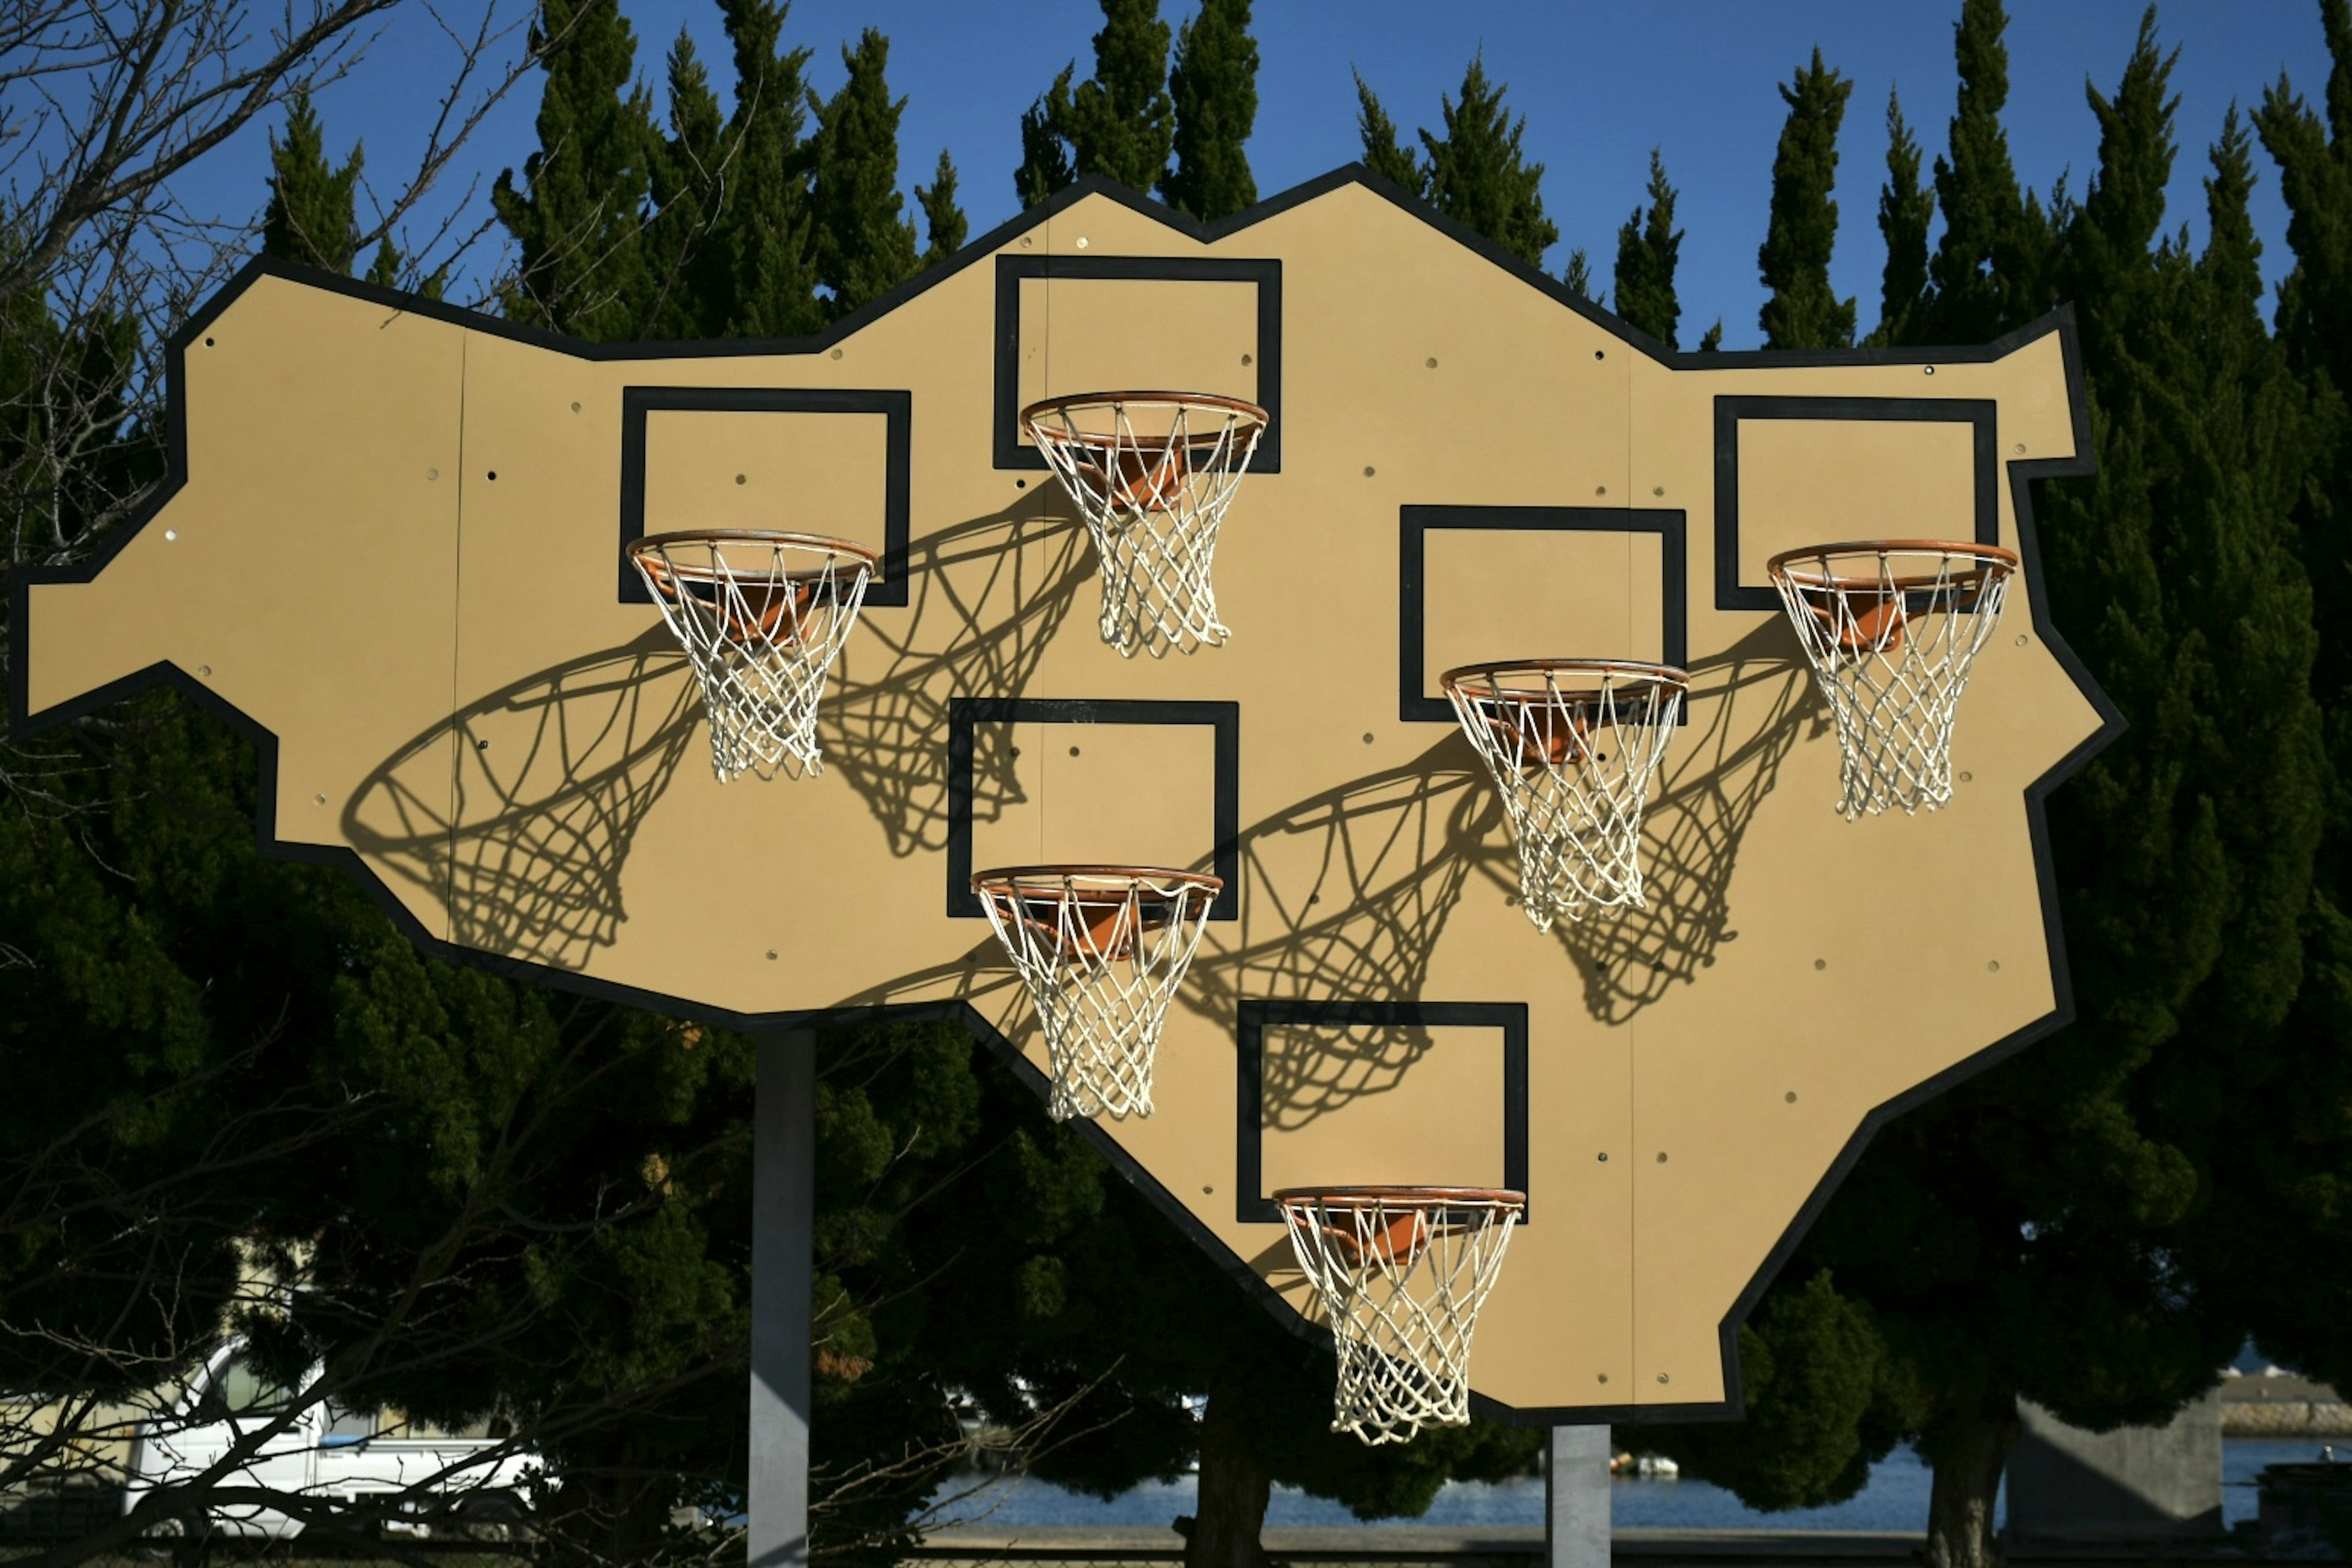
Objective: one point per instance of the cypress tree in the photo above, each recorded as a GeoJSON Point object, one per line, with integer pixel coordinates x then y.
{"type": "Point", "coordinates": [1906, 209]}
{"type": "Point", "coordinates": [1974, 269]}
{"type": "Point", "coordinates": [1478, 174]}
{"type": "Point", "coordinates": [2296, 1221]}
{"type": "Point", "coordinates": [1121, 124]}
{"type": "Point", "coordinates": [1385, 153]}
{"type": "Point", "coordinates": [1046, 165]}
{"type": "Point", "coordinates": [2125, 205]}
{"type": "Point", "coordinates": [864, 248]}
{"type": "Point", "coordinates": [1213, 87]}
{"type": "Point", "coordinates": [1803, 312]}
{"type": "Point", "coordinates": [309, 217]}
{"type": "Point", "coordinates": [687, 185]}
{"type": "Point", "coordinates": [1578, 275]}
{"type": "Point", "coordinates": [943, 221]}
{"type": "Point", "coordinates": [764, 226]}
{"type": "Point", "coordinates": [1648, 247]}
{"type": "Point", "coordinates": [578, 217]}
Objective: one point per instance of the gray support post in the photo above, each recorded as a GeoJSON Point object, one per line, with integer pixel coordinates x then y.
{"type": "Point", "coordinates": [1576, 1497]}
{"type": "Point", "coordinates": [783, 1223]}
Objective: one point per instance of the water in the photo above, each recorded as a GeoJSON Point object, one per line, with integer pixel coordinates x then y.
{"type": "Point", "coordinates": [1895, 1497]}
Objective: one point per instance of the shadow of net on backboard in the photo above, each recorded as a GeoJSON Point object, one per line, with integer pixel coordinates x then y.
{"type": "Point", "coordinates": [1348, 890]}
{"type": "Point", "coordinates": [524, 825]}
{"type": "Point", "coordinates": [1749, 706]}
{"type": "Point", "coordinates": [986, 598]}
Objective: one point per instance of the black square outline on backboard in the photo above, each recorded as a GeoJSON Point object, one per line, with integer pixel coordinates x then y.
{"type": "Point", "coordinates": [1013, 270]}
{"type": "Point", "coordinates": [1251, 1206]}
{"type": "Point", "coordinates": [896, 408]}
{"type": "Point", "coordinates": [966, 714]}
{"type": "Point", "coordinates": [1981, 413]}
{"type": "Point", "coordinates": [1672, 527]}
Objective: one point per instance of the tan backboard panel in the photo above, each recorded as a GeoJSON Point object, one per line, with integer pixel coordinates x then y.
{"type": "Point", "coordinates": [1491, 589]}
{"type": "Point", "coordinates": [803, 472]}
{"type": "Point", "coordinates": [1122, 334]}
{"type": "Point", "coordinates": [1348, 1105]}
{"type": "Point", "coordinates": [1896, 479]}
{"type": "Point", "coordinates": [1099, 795]}
{"type": "Point", "coordinates": [460, 697]}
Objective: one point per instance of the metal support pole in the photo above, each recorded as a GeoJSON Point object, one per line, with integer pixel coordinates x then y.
{"type": "Point", "coordinates": [1576, 1497]}
{"type": "Point", "coordinates": [784, 1222]}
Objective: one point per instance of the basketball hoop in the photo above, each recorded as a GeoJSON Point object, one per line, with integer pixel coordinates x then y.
{"type": "Point", "coordinates": [1102, 950]}
{"type": "Point", "coordinates": [1892, 628]}
{"type": "Point", "coordinates": [1401, 1273]}
{"type": "Point", "coordinates": [761, 617]}
{"type": "Point", "coordinates": [1153, 472]}
{"type": "Point", "coordinates": [1573, 745]}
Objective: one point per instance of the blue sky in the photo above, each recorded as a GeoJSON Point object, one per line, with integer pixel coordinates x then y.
{"type": "Point", "coordinates": [1600, 86]}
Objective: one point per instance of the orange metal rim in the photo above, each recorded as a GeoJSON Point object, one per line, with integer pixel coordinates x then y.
{"type": "Point", "coordinates": [656, 541]}
{"type": "Point", "coordinates": [1664, 675]}
{"type": "Point", "coordinates": [1369, 1197]}
{"type": "Point", "coordinates": [1010, 879]}
{"type": "Point", "coordinates": [1987, 557]}
{"type": "Point", "coordinates": [1215, 400]}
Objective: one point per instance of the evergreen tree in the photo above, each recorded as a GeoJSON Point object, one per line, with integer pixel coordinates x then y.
{"type": "Point", "coordinates": [1046, 164]}
{"type": "Point", "coordinates": [1711, 340]}
{"type": "Point", "coordinates": [864, 248]}
{"type": "Point", "coordinates": [2296, 1178]}
{"type": "Point", "coordinates": [1906, 209]}
{"type": "Point", "coordinates": [764, 229]}
{"type": "Point", "coordinates": [1385, 153]}
{"type": "Point", "coordinates": [1578, 275]}
{"type": "Point", "coordinates": [1214, 88]}
{"type": "Point", "coordinates": [1121, 124]}
{"type": "Point", "coordinates": [1975, 273]}
{"type": "Point", "coordinates": [1803, 312]}
{"type": "Point", "coordinates": [1478, 174]}
{"type": "Point", "coordinates": [2061, 1228]}
{"type": "Point", "coordinates": [688, 184]}
{"type": "Point", "coordinates": [579, 217]}
{"type": "Point", "coordinates": [943, 222]}
{"type": "Point", "coordinates": [310, 214]}
{"type": "Point", "coordinates": [1647, 249]}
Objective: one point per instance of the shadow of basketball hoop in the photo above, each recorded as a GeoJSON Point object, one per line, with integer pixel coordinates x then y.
{"type": "Point", "coordinates": [1748, 707]}
{"type": "Point", "coordinates": [1348, 890]}
{"type": "Point", "coordinates": [525, 830]}
{"type": "Point", "coordinates": [986, 596]}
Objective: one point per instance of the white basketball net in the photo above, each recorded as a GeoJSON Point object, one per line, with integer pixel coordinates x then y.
{"type": "Point", "coordinates": [761, 618]}
{"type": "Point", "coordinates": [1401, 1275]}
{"type": "Point", "coordinates": [1892, 631]}
{"type": "Point", "coordinates": [1153, 473]}
{"type": "Point", "coordinates": [1574, 746]}
{"type": "Point", "coordinates": [1102, 952]}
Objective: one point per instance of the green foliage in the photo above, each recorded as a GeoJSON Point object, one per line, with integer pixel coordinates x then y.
{"type": "Point", "coordinates": [309, 217]}
{"type": "Point", "coordinates": [1121, 123]}
{"type": "Point", "coordinates": [1478, 176]}
{"type": "Point", "coordinates": [864, 248]}
{"type": "Point", "coordinates": [1824, 1404]}
{"type": "Point", "coordinates": [1045, 163]}
{"type": "Point", "coordinates": [688, 187]}
{"type": "Point", "coordinates": [1578, 275]}
{"type": "Point", "coordinates": [1213, 88]}
{"type": "Point", "coordinates": [943, 221]}
{"type": "Point", "coordinates": [1980, 276]}
{"type": "Point", "coordinates": [1906, 209]}
{"type": "Point", "coordinates": [1647, 249]}
{"type": "Point", "coordinates": [1803, 312]}
{"type": "Point", "coordinates": [577, 218]}
{"type": "Point", "coordinates": [765, 233]}
{"type": "Point", "coordinates": [1385, 153]}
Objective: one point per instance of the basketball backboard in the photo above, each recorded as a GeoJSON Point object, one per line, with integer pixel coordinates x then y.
{"type": "Point", "coordinates": [391, 547]}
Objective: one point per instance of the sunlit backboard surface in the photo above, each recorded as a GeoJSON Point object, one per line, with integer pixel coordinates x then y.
{"type": "Point", "coordinates": [390, 547]}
